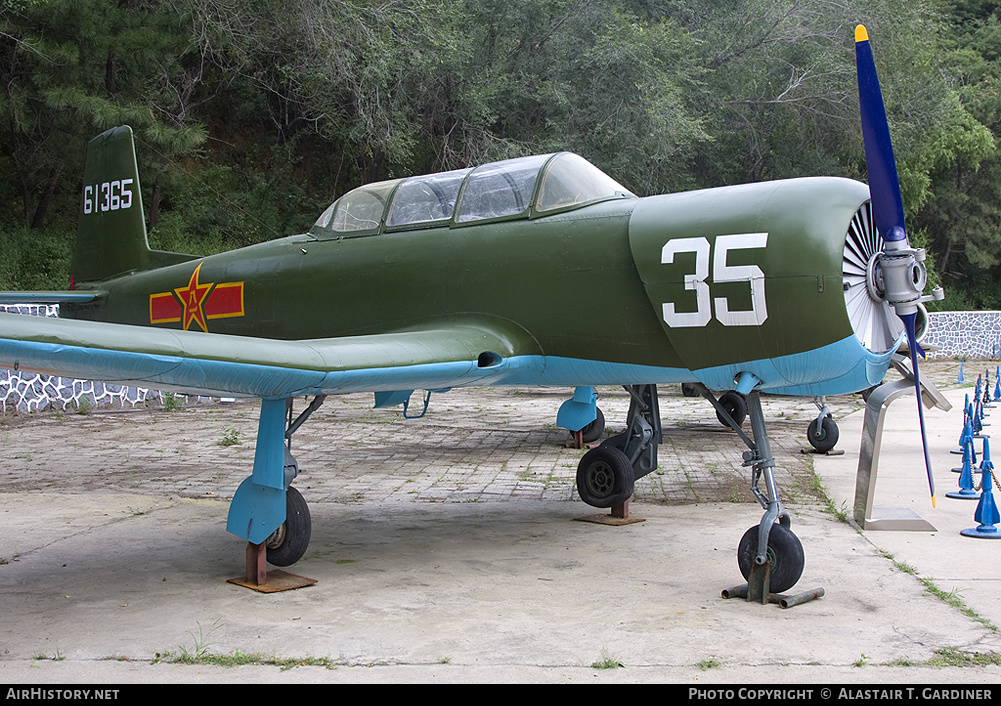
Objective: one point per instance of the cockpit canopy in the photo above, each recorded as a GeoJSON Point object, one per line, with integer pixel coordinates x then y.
{"type": "Point", "coordinates": [525, 187]}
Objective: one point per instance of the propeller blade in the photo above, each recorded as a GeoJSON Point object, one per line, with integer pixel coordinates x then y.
{"type": "Point", "coordinates": [884, 186]}
{"type": "Point", "coordinates": [914, 348]}
{"type": "Point", "coordinates": [902, 270]}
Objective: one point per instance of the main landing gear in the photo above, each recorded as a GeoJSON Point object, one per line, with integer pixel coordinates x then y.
{"type": "Point", "coordinates": [266, 510]}
{"type": "Point", "coordinates": [607, 473]}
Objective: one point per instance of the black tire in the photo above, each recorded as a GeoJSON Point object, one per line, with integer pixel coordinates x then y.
{"type": "Point", "coordinates": [290, 541]}
{"type": "Point", "coordinates": [689, 390]}
{"type": "Point", "coordinates": [605, 477]}
{"type": "Point", "coordinates": [826, 437]}
{"type": "Point", "coordinates": [784, 551]}
{"type": "Point", "coordinates": [593, 431]}
{"type": "Point", "coordinates": [735, 405]}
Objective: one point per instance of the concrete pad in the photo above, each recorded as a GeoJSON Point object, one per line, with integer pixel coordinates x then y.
{"type": "Point", "coordinates": [970, 567]}
{"type": "Point", "coordinates": [447, 551]}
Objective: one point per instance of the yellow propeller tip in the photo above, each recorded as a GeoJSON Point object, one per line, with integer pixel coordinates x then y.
{"type": "Point", "coordinates": [860, 34]}
{"type": "Point", "coordinates": [933, 501]}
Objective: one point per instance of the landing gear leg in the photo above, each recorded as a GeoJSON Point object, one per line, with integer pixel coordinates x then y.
{"type": "Point", "coordinates": [822, 432]}
{"type": "Point", "coordinates": [582, 417]}
{"type": "Point", "coordinates": [607, 474]}
{"type": "Point", "coordinates": [770, 556]}
{"type": "Point", "coordinates": [266, 511]}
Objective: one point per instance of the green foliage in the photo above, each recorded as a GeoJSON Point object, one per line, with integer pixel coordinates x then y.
{"type": "Point", "coordinates": [251, 116]}
{"type": "Point", "coordinates": [32, 259]}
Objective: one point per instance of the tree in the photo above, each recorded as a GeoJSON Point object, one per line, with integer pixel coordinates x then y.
{"type": "Point", "coordinates": [71, 68]}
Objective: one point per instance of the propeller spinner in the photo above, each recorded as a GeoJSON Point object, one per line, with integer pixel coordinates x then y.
{"type": "Point", "coordinates": [897, 272]}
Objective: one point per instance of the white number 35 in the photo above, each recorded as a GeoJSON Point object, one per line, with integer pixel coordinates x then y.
{"type": "Point", "coordinates": [722, 272]}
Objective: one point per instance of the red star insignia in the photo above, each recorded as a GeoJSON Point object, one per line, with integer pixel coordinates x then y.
{"type": "Point", "coordinates": [193, 299]}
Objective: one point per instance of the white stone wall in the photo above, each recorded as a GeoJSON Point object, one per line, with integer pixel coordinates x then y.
{"type": "Point", "coordinates": [21, 391]}
{"type": "Point", "coordinates": [974, 335]}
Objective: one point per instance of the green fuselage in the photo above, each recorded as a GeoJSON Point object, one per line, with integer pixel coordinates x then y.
{"type": "Point", "coordinates": [585, 284]}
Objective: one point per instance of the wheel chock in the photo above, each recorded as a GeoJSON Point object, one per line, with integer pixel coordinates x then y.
{"type": "Point", "coordinates": [258, 579]}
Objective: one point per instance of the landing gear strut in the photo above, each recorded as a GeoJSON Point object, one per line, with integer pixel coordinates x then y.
{"type": "Point", "coordinates": [770, 556]}
{"type": "Point", "coordinates": [266, 510]}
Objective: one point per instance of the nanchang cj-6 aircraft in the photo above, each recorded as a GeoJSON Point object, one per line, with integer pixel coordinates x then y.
{"type": "Point", "coordinates": [533, 271]}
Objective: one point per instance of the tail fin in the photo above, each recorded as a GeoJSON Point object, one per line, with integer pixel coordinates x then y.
{"type": "Point", "coordinates": [111, 234]}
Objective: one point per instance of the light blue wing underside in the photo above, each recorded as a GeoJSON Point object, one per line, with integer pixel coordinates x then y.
{"type": "Point", "coordinates": [449, 355]}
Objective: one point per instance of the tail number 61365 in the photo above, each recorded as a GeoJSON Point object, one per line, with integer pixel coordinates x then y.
{"type": "Point", "coordinates": [107, 196]}
{"type": "Point", "coordinates": [699, 281]}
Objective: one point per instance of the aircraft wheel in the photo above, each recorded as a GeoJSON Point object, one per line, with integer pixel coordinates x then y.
{"type": "Point", "coordinates": [605, 477]}
{"type": "Point", "coordinates": [735, 405]}
{"type": "Point", "coordinates": [289, 542]}
{"type": "Point", "coordinates": [784, 551]}
{"type": "Point", "coordinates": [824, 438]}
{"type": "Point", "coordinates": [689, 390]}
{"type": "Point", "coordinates": [594, 430]}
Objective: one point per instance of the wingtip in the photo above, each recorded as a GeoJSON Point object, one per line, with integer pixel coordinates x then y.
{"type": "Point", "coordinates": [861, 35]}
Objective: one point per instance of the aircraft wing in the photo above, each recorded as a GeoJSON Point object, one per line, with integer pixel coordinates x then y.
{"type": "Point", "coordinates": [442, 355]}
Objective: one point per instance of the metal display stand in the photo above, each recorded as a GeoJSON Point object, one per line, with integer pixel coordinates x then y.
{"type": "Point", "coordinates": [885, 518]}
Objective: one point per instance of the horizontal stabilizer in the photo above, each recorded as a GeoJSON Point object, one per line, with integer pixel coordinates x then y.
{"type": "Point", "coordinates": [54, 297]}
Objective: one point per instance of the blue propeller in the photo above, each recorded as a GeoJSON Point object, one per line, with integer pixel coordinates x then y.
{"type": "Point", "coordinates": [900, 267]}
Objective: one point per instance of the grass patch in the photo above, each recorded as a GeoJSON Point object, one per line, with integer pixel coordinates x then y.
{"type": "Point", "coordinates": [200, 654]}
{"type": "Point", "coordinates": [607, 661]}
{"type": "Point", "coordinates": [951, 657]}
{"type": "Point", "coordinates": [240, 659]}
{"type": "Point", "coordinates": [230, 437]}
{"type": "Point", "coordinates": [840, 514]}
{"type": "Point", "coordinates": [171, 402]}
{"type": "Point", "coordinates": [952, 598]}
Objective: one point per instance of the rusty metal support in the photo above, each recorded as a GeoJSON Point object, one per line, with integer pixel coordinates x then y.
{"type": "Point", "coordinates": [257, 566]}
{"type": "Point", "coordinates": [784, 601]}
{"type": "Point", "coordinates": [258, 579]}
{"type": "Point", "coordinates": [617, 516]}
